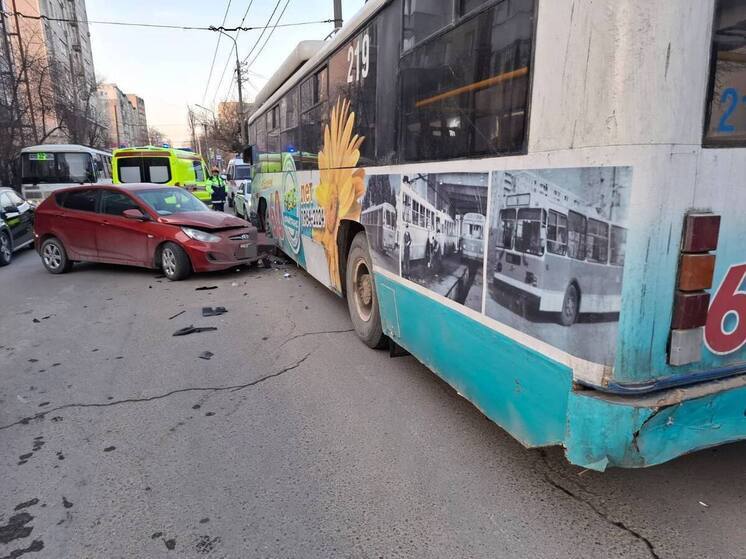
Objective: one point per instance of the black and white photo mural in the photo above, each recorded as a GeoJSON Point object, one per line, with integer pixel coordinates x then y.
{"type": "Point", "coordinates": [379, 217]}
{"type": "Point", "coordinates": [442, 231]}
{"type": "Point", "coordinates": [555, 260]}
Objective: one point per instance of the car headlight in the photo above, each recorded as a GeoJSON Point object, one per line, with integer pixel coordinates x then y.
{"type": "Point", "coordinates": [198, 235]}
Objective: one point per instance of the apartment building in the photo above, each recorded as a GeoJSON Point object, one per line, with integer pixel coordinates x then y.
{"type": "Point", "coordinates": [53, 61]}
{"type": "Point", "coordinates": [128, 125]}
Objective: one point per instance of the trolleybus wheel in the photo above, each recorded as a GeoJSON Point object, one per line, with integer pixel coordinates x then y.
{"type": "Point", "coordinates": [570, 306]}
{"type": "Point", "coordinates": [362, 300]}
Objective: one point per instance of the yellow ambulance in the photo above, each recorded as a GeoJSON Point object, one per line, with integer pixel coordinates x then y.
{"type": "Point", "coordinates": [162, 165]}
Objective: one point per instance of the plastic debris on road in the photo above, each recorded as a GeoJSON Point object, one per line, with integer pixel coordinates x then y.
{"type": "Point", "coordinates": [191, 329]}
{"type": "Point", "coordinates": [217, 311]}
{"type": "Point", "coordinates": [206, 288]}
{"type": "Point", "coordinates": [206, 355]}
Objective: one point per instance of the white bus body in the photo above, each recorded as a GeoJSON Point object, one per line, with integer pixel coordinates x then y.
{"type": "Point", "coordinates": [46, 168]}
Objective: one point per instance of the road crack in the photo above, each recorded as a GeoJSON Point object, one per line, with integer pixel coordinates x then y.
{"type": "Point", "coordinates": [600, 513]}
{"type": "Point", "coordinates": [316, 334]}
{"type": "Point", "coordinates": [234, 388]}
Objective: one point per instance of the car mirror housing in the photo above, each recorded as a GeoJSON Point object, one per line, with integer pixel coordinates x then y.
{"type": "Point", "coordinates": [135, 214]}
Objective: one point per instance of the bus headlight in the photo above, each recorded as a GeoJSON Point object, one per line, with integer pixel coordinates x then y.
{"type": "Point", "coordinates": [531, 279]}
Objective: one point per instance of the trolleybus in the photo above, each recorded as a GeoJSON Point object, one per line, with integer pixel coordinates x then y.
{"type": "Point", "coordinates": [471, 241]}
{"type": "Point", "coordinates": [380, 222]}
{"type": "Point", "coordinates": [647, 160]}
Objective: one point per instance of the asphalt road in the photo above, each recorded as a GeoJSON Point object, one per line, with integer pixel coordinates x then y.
{"type": "Point", "coordinates": [293, 440]}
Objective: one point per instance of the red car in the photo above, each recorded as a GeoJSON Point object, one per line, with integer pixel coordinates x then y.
{"type": "Point", "coordinates": [146, 225]}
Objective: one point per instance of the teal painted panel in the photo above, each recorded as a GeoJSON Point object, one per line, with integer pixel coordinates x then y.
{"type": "Point", "coordinates": [517, 388]}
{"type": "Point", "coordinates": [601, 433]}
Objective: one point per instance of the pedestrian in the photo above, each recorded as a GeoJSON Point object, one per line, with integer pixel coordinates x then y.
{"type": "Point", "coordinates": [216, 188]}
{"type": "Point", "coordinates": [438, 246]}
{"type": "Point", "coordinates": [428, 250]}
{"type": "Point", "coordinates": [431, 258]}
{"type": "Point", "coordinates": [407, 249]}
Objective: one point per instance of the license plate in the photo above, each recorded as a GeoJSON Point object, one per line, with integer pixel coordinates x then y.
{"type": "Point", "coordinates": [244, 245]}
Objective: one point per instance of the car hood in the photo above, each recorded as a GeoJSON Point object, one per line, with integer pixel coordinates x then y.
{"type": "Point", "coordinates": [204, 220]}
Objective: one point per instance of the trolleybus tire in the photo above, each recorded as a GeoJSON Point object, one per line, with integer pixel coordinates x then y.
{"type": "Point", "coordinates": [54, 256]}
{"type": "Point", "coordinates": [570, 306]}
{"type": "Point", "coordinates": [362, 300]}
{"type": "Point", "coordinates": [175, 262]}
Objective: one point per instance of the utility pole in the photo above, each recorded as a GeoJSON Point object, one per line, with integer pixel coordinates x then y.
{"type": "Point", "coordinates": [337, 14]}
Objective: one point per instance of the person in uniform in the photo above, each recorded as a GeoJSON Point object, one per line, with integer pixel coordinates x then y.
{"type": "Point", "coordinates": [217, 190]}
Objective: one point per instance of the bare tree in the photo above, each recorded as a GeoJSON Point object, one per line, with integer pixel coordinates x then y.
{"type": "Point", "coordinates": [156, 137]}
{"type": "Point", "coordinates": [26, 110]}
{"type": "Point", "coordinates": [77, 111]}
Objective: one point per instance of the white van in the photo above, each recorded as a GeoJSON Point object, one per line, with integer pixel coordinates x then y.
{"type": "Point", "coordinates": [236, 175]}
{"type": "Point", "coordinates": [46, 168]}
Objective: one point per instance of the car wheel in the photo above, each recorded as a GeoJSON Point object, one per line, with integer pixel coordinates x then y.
{"type": "Point", "coordinates": [6, 252]}
{"type": "Point", "coordinates": [570, 306]}
{"type": "Point", "coordinates": [175, 262]}
{"type": "Point", "coordinates": [54, 257]}
{"type": "Point", "coordinates": [362, 300]}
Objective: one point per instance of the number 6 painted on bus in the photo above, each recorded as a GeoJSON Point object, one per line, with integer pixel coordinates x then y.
{"type": "Point", "coordinates": [729, 300]}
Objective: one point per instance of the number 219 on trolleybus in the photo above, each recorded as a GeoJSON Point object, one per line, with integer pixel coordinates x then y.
{"type": "Point", "coordinates": [608, 278]}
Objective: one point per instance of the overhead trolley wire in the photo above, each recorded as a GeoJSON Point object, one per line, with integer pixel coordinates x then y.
{"type": "Point", "coordinates": [215, 54]}
{"type": "Point", "coordinates": [156, 25]}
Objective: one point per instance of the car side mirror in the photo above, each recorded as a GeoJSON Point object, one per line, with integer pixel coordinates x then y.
{"type": "Point", "coordinates": [135, 214]}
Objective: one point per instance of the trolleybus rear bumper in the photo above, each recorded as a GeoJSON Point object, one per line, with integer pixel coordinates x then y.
{"type": "Point", "coordinates": [611, 430]}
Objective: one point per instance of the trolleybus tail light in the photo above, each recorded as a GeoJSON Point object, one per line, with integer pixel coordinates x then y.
{"type": "Point", "coordinates": [692, 300]}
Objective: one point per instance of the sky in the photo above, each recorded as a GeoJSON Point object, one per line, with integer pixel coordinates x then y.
{"type": "Point", "coordinates": [169, 68]}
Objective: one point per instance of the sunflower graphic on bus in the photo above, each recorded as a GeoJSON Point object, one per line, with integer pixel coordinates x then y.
{"type": "Point", "coordinates": [341, 185]}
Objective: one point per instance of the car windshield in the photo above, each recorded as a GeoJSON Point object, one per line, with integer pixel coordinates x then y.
{"type": "Point", "coordinates": [242, 172]}
{"type": "Point", "coordinates": [57, 167]}
{"type": "Point", "coordinates": [167, 201]}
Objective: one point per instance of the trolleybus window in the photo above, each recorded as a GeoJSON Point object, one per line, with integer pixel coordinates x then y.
{"type": "Point", "coordinates": [576, 236]}
{"type": "Point", "coordinates": [528, 237]}
{"type": "Point", "coordinates": [289, 121]}
{"type": "Point", "coordinates": [617, 245]}
{"type": "Point", "coordinates": [557, 233]}
{"type": "Point", "coordinates": [423, 18]}
{"type": "Point", "coordinates": [466, 6]}
{"type": "Point", "coordinates": [598, 241]}
{"type": "Point", "coordinates": [507, 229]}
{"type": "Point", "coordinates": [727, 112]}
{"type": "Point", "coordinates": [451, 109]}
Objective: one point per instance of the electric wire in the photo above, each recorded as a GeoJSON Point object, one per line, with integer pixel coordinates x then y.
{"type": "Point", "coordinates": [215, 54]}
